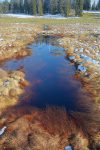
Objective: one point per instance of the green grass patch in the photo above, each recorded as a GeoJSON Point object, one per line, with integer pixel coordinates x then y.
{"type": "Point", "coordinates": [87, 18]}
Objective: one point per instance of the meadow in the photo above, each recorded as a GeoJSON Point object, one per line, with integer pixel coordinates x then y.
{"type": "Point", "coordinates": [51, 128]}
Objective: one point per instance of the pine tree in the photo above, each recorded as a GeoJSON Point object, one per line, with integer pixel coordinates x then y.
{"type": "Point", "coordinates": [46, 6]}
{"type": "Point", "coordinates": [98, 5]}
{"type": "Point", "coordinates": [4, 7]}
{"type": "Point", "coordinates": [94, 6]}
{"type": "Point", "coordinates": [68, 7]}
{"type": "Point", "coordinates": [40, 7]}
{"type": "Point", "coordinates": [30, 7]}
{"type": "Point", "coordinates": [12, 6]}
{"type": "Point", "coordinates": [78, 7]}
{"type": "Point", "coordinates": [18, 6]}
{"type": "Point", "coordinates": [34, 7]}
{"type": "Point", "coordinates": [73, 4]}
{"type": "Point", "coordinates": [21, 6]}
{"type": "Point", "coordinates": [54, 6]}
{"type": "Point", "coordinates": [87, 4]}
{"type": "Point", "coordinates": [25, 6]}
{"type": "Point", "coordinates": [62, 6]}
{"type": "Point", "coordinates": [81, 7]}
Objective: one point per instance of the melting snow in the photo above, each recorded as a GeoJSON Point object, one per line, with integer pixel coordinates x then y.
{"type": "Point", "coordinates": [89, 59]}
{"type": "Point", "coordinates": [94, 12]}
{"type": "Point", "coordinates": [47, 16]}
{"type": "Point", "coordinates": [2, 130]}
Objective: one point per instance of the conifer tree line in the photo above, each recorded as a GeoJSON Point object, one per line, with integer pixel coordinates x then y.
{"type": "Point", "coordinates": [40, 7]}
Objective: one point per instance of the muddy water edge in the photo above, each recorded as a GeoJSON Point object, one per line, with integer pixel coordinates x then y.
{"type": "Point", "coordinates": [54, 103]}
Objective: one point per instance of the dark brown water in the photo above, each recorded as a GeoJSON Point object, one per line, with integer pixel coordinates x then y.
{"type": "Point", "coordinates": [51, 77]}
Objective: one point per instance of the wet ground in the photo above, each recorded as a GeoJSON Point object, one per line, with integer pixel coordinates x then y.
{"type": "Point", "coordinates": [51, 77]}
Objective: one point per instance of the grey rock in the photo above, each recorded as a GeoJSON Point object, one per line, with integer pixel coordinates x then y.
{"type": "Point", "coordinates": [81, 50]}
{"type": "Point", "coordinates": [6, 83]}
{"type": "Point", "coordinates": [71, 58]}
{"type": "Point", "coordinates": [82, 68]}
{"type": "Point", "coordinates": [76, 50]}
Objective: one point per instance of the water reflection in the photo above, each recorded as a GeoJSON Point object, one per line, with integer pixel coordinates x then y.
{"type": "Point", "coordinates": [51, 77]}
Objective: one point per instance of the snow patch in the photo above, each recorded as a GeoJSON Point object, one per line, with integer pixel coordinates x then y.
{"type": "Point", "coordinates": [89, 59]}
{"type": "Point", "coordinates": [2, 130]}
{"type": "Point", "coordinates": [17, 15]}
{"type": "Point", "coordinates": [46, 16]}
{"type": "Point", "coordinates": [93, 12]}
{"type": "Point", "coordinates": [1, 39]}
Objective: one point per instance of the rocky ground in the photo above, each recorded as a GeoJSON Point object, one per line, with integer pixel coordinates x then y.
{"type": "Point", "coordinates": [82, 47]}
{"type": "Point", "coordinates": [84, 51]}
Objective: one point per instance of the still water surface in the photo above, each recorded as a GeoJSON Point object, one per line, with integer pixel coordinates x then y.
{"type": "Point", "coordinates": [51, 76]}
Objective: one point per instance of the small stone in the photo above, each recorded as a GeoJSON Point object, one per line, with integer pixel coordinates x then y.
{"type": "Point", "coordinates": [76, 50]}
{"type": "Point", "coordinates": [81, 50]}
{"type": "Point", "coordinates": [1, 39]}
{"type": "Point", "coordinates": [6, 83]}
{"type": "Point", "coordinates": [71, 58]}
{"type": "Point", "coordinates": [82, 68]}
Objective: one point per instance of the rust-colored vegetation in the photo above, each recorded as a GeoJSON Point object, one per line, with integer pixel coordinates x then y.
{"type": "Point", "coordinates": [35, 129]}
